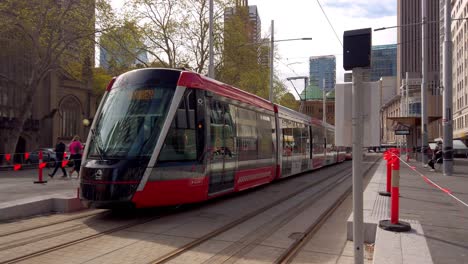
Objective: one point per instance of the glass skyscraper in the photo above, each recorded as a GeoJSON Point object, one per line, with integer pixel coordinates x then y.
{"type": "Point", "coordinates": [383, 61]}
{"type": "Point", "coordinates": [323, 68]}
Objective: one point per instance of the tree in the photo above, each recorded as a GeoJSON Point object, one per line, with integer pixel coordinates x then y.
{"type": "Point", "coordinates": [176, 31]}
{"type": "Point", "coordinates": [46, 36]}
{"type": "Point", "coordinates": [240, 64]}
{"type": "Point", "coordinates": [196, 26]}
{"type": "Point", "coordinates": [288, 100]}
{"type": "Point", "coordinates": [162, 20]}
{"type": "Point", "coordinates": [124, 46]}
{"type": "Point", "coordinates": [100, 81]}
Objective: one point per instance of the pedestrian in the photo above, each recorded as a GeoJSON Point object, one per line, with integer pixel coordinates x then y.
{"type": "Point", "coordinates": [59, 150]}
{"type": "Point", "coordinates": [436, 156]}
{"type": "Point", "coordinates": [75, 154]}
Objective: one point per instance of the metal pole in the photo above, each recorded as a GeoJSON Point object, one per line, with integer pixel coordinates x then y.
{"type": "Point", "coordinates": [272, 48]}
{"type": "Point", "coordinates": [447, 94]}
{"type": "Point", "coordinates": [211, 56]}
{"type": "Point", "coordinates": [324, 114]}
{"type": "Point", "coordinates": [407, 93]}
{"type": "Point", "coordinates": [358, 231]}
{"type": "Point", "coordinates": [424, 120]}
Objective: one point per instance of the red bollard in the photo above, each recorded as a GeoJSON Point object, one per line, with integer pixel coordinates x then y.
{"type": "Point", "coordinates": [394, 224]}
{"type": "Point", "coordinates": [395, 210]}
{"type": "Point", "coordinates": [40, 169]}
{"type": "Point", "coordinates": [388, 157]}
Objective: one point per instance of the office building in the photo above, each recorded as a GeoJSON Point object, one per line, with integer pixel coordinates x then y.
{"type": "Point", "coordinates": [383, 61]}
{"type": "Point", "coordinates": [406, 105]}
{"type": "Point", "coordinates": [60, 102]}
{"type": "Point", "coordinates": [460, 69]}
{"type": "Point", "coordinates": [348, 77]}
{"type": "Point", "coordinates": [105, 57]}
{"type": "Point", "coordinates": [254, 29]}
{"type": "Point", "coordinates": [322, 71]}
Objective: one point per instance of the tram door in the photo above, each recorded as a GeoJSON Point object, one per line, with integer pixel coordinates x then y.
{"type": "Point", "coordinates": [223, 158]}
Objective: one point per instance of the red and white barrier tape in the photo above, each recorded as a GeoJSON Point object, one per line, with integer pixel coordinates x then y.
{"type": "Point", "coordinates": [431, 182]}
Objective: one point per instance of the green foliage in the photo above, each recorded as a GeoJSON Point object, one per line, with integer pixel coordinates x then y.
{"type": "Point", "coordinates": [123, 45]}
{"type": "Point", "coordinates": [241, 66]}
{"type": "Point", "coordinates": [100, 81]}
{"type": "Point", "coordinates": [288, 100]}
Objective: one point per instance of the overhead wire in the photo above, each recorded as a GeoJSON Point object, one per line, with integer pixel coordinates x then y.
{"type": "Point", "coordinates": [323, 11]}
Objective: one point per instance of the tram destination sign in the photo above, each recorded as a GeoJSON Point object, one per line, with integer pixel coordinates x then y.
{"type": "Point", "coordinates": [402, 132]}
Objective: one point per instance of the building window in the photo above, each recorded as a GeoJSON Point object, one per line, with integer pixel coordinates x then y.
{"type": "Point", "coordinates": [70, 117]}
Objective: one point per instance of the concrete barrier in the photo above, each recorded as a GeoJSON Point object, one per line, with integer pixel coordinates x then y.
{"type": "Point", "coordinates": [39, 205]}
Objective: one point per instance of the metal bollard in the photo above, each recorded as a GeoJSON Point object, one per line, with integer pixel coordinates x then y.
{"type": "Point", "coordinates": [41, 167]}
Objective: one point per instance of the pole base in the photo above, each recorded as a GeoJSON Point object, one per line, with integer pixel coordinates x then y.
{"type": "Point", "coordinates": [40, 182]}
{"type": "Point", "coordinates": [399, 227]}
{"type": "Point", "coordinates": [382, 193]}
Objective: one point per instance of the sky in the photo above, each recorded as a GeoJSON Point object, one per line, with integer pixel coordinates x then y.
{"type": "Point", "coordinates": [304, 18]}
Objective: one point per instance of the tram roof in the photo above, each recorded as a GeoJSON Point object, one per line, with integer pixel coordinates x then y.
{"type": "Point", "coordinates": [195, 80]}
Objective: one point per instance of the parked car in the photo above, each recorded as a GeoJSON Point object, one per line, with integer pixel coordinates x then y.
{"type": "Point", "coordinates": [48, 155]}
{"type": "Point", "coordinates": [460, 150]}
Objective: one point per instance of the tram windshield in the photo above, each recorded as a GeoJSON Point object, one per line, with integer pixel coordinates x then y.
{"type": "Point", "coordinates": [132, 117]}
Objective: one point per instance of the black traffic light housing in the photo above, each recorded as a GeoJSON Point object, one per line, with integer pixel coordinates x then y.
{"type": "Point", "coordinates": [357, 48]}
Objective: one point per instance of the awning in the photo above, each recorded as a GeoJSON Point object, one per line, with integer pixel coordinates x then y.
{"type": "Point", "coordinates": [412, 120]}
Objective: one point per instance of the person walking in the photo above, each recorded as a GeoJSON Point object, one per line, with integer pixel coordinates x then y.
{"type": "Point", "coordinates": [436, 156]}
{"type": "Point", "coordinates": [75, 154]}
{"type": "Point", "coordinates": [59, 150]}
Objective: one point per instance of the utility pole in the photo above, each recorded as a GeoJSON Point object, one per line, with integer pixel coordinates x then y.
{"type": "Point", "coordinates": [324, 114]}
{"type": "Point", "coordinates": [447, 93]}
{"type": "Point", "coordinates": [358, 215]}
{"type": "Point", "coordinates": [424, 57]}
{"type": "Point", "coordinates": [272, 47]}
{"type": "Point", "coordinates": [211, 56]}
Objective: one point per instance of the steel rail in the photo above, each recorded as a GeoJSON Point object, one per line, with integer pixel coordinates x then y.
{"type": "Point", "coordinates": [289, 255]}
{"type": "Point", "coordinates": [171, 255]}
{"type": "Point", "coordinates": [51, 223]}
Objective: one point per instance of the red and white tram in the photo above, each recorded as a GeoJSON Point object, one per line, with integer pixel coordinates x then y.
{"type": "Point", "coordinates": [165, 137]}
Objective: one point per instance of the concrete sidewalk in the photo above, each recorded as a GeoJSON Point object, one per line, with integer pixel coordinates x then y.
{"type": "Point", "coordinates": [439, 223]}
{"type": "Point", "coordinates": [21, 197]}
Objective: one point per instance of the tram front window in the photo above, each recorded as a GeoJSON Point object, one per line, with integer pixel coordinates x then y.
{"type": "Point", "coordinates": [131, 120]}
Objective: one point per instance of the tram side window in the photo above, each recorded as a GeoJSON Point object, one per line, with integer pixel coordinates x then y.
{"type": "Point", "coordinates": [299, 146]}
{"type": "Point", "coordinates": [265, 139]}
{"type": "Point", "coordinates": [247, 134]}
{"type": "Point", "coordinates": [222, 129]}
{"type": "Point", "coordinates": [330, 139]}
{"type": "Point", "coordinates": [288, 138]}
{"type": "Point", "coordinates": [317, 139]}
{"type": "Point", "coordinates": [180, 143]}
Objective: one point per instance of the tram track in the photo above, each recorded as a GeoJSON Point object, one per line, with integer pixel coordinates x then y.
{"type": "Point", "coordinates": [49, 224]}
{"type": "Point", "coordinates": [289, 255]}
{"type": "Point", "coordinates": [172, 254]}
{"type": "Point", "coordinates": [244, 245]}
{"type": "Point", "coordinates": [77, 241]}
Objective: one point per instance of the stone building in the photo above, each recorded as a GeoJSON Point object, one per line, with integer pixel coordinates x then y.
{"type": "Point", "coordinates": [59, 104]}
{"type": "Point", "coordinates": [312, 103]}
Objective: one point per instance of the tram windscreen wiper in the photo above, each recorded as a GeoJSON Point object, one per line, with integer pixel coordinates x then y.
{"type": "Point", "coordinates": [98, 144]}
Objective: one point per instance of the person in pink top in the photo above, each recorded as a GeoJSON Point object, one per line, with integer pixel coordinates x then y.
{"type": "Point", "coordinates": [75, 154]}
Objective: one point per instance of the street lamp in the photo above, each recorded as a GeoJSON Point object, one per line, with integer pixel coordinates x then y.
{"type": "Point", "coordinates": [272, 48]}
